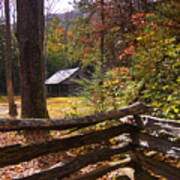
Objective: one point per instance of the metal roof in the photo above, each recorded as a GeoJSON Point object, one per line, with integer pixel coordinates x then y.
{"type": "Point", "coordinates": [60, 76]}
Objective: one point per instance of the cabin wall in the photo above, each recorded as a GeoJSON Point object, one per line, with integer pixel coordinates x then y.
{"type": "Point", "coordinates": [61, 90]}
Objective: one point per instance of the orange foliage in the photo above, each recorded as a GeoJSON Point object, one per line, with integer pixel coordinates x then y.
{"type": "Point", "coordinates": [138, 19]}
{"type": "Point", "coordinates": [120, 70]}
{"type": "Point", "coordinates": [137, 15]}
{"type": "Point", "coordinates": [149, 14]}
{"type": "Point", "coordinates": [69, 33]}
{"type": "Point", "coordinates": [86, 55]}
{"type": "Point", "coordinates": [121, 56]}
{"type": "Point", "coordinates": [124, 70]}
{"type": "Point", "coordinates": [129, 50]}
{"type": "Point", "coordinates": [85, 40]}
{"type": "Point", "coordinates": [60, 31]}
{"type": "Point", "coordinates": [116, 74]}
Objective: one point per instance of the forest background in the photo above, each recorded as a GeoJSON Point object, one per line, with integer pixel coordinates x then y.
{"type": "Point", "coordinates": [130, 49]}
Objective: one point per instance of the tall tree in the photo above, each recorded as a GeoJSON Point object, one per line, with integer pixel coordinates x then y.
{"type": "Point", "coordinates": [102, 32]}
{"type": "Point", "coordinates": [9, 83]}
{"type": "Point", "coordinates": [30, 34]}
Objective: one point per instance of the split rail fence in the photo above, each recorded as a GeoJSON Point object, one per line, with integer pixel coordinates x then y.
{"type": "Point", "coordinates": [142, 132]}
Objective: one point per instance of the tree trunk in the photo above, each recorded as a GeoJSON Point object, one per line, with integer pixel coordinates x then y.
{"type": "Point", "coordinates": [9, 83]}
{"type": "Point", "coordinates": [145, 5]}
{"type": "Point", "coordinates": [30, 33]}
{"type": "Point", "coordinates": [102, 35]}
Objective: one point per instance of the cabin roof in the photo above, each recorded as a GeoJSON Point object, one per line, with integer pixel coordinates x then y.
{"type": "Point", "coordinates": [61, 76]}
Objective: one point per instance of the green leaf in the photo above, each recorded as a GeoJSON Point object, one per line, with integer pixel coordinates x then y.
{"type": "Point", "coordinates": [176, 110]}
{"type": "Point", "coordinates": [147, 29]}
{"type": "Point", "coordinates": [178, 79]}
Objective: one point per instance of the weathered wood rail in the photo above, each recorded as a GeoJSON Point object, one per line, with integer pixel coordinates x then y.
{"type": "Point", "coordinates": [137, 133]}
{"type": "Point", "coordinates": [62, 124]}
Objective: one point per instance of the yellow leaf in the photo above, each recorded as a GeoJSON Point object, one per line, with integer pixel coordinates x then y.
{"type": "Point", "coordinates": [139, 38]}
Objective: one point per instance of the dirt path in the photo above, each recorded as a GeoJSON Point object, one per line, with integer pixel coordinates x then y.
{"type": "Point", "coordinates": [3, 109]}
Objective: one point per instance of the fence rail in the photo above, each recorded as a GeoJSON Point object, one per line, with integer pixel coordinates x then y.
{"type": "Point", "coordinates": [137, 133]}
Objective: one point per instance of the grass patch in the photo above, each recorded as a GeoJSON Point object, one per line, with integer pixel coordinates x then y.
{"type": "Point", "coordinates": [3, 99]}
{"type": "Point", "coordinates": [58, 107]}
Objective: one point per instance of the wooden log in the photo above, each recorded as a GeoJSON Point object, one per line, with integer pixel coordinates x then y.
{"type": "Point", "coordinates": [140, 173]}
{"type": "Point", "coordinates": [19, 153]}
{"type": "Point", "coordinates": [155, 143]}
{"type": "Point", "coordinates": [62, 124]}
{"type": "Point", "coordinates": [100, 171]}
{"type": "Point", "coordinates": [165, 126]}
{"type": "Point", "coordinates": [77, 163]}
{"type": "Point", "coordinates": [143, 175]}
{"type": "Point", "coordinates": [158, 167]}
{"type": "Point", "coordinates": [122, 178]}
